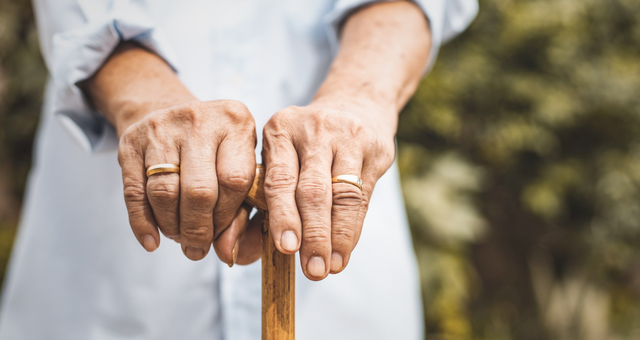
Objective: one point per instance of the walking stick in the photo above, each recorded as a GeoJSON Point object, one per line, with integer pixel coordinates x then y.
{"type": "Point", "coordinates": [278, 275]}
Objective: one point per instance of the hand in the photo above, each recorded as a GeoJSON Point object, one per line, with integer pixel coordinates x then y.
{"type": "Point", "coordinates": [349, 129]}
{"type": "Point", "coordinates": [213, 143]}
{"type": "Point", "coordinates": [303, 148]}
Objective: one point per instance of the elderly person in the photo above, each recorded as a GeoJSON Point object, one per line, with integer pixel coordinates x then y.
{"type": "Point", "coordinates": [136, 84]}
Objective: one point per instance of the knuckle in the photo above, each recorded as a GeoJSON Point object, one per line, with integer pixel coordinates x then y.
{"type": "Point", "coordinates": [343, 196]}
{"type": "Point", "coordinates": [279, 121]}
{"type": "Point", "coordinates": [163, 191]}
{"type": "Point", "coordinates": [200, 233]}
{"type": "Point", "coordinates": [236, 181]}
{"type": "Point", "coordinates": [125, 142]}
{"type": "Point", "coordinates": [272, 137]}
{"type": "Point", "coordinates": [137, 220]}
{"type": "Point", "coordinates": [279, 178]}
{"type": "Point", "coordinates": [353, 128]}
{"type": "Point", "coordinates": [364, 207]}
{"type": "Point", "coordinates": [128, 149]}
{"type": "Point", "coordinates": [238, 113]}
{"type": "Point", "coordinates": [155, 122]}
{"type": "Point", "coordinates": [312, 190]}
{"type": "Point", "coordinates": [190, 108]}
{"type": "Point", "coordinates": [126, 153]}
{"type": "Point", "coordinates": [200, 195]}
{"type": "Point", "coordinates": [343, 236]}
{"type": "Point", "coordinates": [315, 236]}
{"type": "Point", "coordinates": [133, 192]}
{"type": "Point", "coordinates": [186, 114]}
{"type": "Point", "coordinates": [235, 107]}
{"type": "Point", "coordinates": [367, 137]}
{"type": "Point", "coordinates": [124, 147]}
{"type": "Point", "coordinates": [388, 153]}
{"type": "Point", "coordinates": [285, 113]}
{"type": "Point", "coordinates": [385, 151]}
{"type": "Point", "coordinates": [248, 124]}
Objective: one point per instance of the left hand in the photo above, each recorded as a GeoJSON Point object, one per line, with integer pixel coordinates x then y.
{"type": "Point", "coordinates": [348, 129]}
{"type": "Point", "coordinates": [303, 148]}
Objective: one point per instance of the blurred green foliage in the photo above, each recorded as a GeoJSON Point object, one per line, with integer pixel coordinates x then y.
{"type": "Point", "coordinates": [520, 157]}
{"type": "Point", "coordinates": [22, 77]}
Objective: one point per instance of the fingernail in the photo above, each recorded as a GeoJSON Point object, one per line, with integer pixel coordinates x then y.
{"type": "Point", "coordinates": [194, 253]}
{"type": "Point", "coordinates": [234, 253]}
{"type": "Point", "coordinates": [289, 241]}
{"type": "Point", "coordinates": [316, 267]}
{"type": "Point", "coordinates": [149, 243]}
{"type": "Point", "coordinates": [336, 262]}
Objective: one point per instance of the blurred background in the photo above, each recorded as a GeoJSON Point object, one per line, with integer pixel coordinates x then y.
{"type": "Point", "coordinates": [520, 158]}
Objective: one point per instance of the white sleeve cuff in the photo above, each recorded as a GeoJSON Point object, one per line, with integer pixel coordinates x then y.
{"type": "Point", "coordinates": [79, 53]}
{"type": "Point", "coordinates": [446, 18]}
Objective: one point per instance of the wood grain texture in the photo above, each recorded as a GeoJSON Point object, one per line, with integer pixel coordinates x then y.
{"type": "Point", "coordinates": [255, 197]}
{"type": "Point", "coordinates": [278, 275]}
{"type": "Point", "coordinates": [278, 290]}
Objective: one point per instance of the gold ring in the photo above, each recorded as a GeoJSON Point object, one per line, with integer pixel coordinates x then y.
{"type": "Point", "coordinates": [349, 179]}
{"type": "Point", "coordinates": [160, 168]}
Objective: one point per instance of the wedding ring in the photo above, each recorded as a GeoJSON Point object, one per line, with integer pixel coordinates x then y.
{"type": "Point", "coordinates": [162, 168]}
{"type": "Point", "coordinates": [349, 179]}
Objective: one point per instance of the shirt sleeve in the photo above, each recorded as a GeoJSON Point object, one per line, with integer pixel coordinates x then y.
{"type": "Point", "coordinates": [446, 18]}
{"type": "Point", "coordinates": [75, 53]}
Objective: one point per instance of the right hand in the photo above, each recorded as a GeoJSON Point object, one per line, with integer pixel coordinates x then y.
{"type": "Point", "coordinates": [213, 143]}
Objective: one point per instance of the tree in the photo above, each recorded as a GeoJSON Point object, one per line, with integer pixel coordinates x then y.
{"type": "Point", "coordinates": [523, 149]}
{"type": "Point", "coordinates": [22, 78]}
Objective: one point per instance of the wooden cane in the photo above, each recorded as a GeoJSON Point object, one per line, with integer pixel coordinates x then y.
{"type": "Point", "coordinates": [278, 274]}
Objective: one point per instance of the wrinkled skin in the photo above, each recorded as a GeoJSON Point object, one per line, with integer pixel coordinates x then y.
{"type": "Point", "coordinates": [348, 129]}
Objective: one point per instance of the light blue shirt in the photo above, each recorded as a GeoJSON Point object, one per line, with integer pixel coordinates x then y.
{"type": "Point", "coordinates": [77, 271]}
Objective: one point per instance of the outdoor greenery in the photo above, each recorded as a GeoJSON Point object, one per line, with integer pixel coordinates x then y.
{"type": "Point", "coordinates": [520, 156]}
{"type": "Point", "coordinates": [22, 77]}
{"type": "Point", "coordinates": [521, 163]}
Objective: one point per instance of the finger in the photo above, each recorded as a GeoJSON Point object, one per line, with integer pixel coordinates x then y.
{"type": "Point", "coordinates": [226, 244]}
{"type": "Point", "coordinates": [163, 189]}
{"type": "Point", "coordinates": [372, 170]}
{"type": "Point", "coordinates": [347, 201]}
{"type": "Point", "coordinates": [250, 248]}
{"type": "Point", "coordinates": [281, 179]}
{"type": "Point", "coordinates": [313, 197]}
{"type": "Point", "coordinates": [198, 195]}
{"type": "Point", "coordinates": [236, 167]}
{"type": "Point", "coordinates": [141, 217]}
